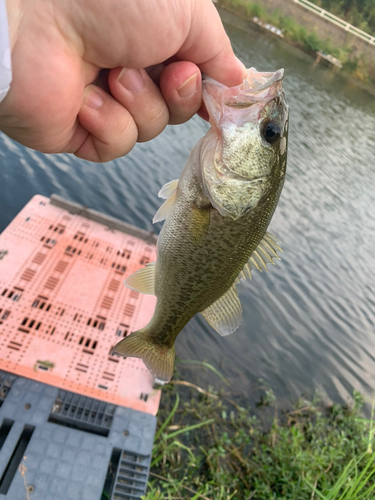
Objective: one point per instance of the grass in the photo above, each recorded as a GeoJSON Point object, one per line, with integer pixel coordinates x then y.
{"type": "Point", "coordinates": [208, 446]}
{"type": "Point", "coordinates": [303, 38]}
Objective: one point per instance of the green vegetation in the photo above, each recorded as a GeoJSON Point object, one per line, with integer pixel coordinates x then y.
{"type": "Point", "coordinates": [209, 447]}
{"type": "Point", "coordinates": [360, 13]}
{"type": "Point", "coordinates": [303, 38]}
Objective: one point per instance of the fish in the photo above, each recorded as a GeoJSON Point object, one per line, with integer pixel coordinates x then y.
{"type": "Point", "coordinates": [216, 218]}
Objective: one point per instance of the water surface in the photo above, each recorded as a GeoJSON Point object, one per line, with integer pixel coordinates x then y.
{"type": "Point", "coordinates": [310, 322]}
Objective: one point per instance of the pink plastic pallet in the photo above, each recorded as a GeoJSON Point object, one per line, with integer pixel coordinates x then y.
{"type": "Point", "coordinates": [63, 305]}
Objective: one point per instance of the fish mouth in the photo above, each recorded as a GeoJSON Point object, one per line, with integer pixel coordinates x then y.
{"type": "Point", "coordinates": [229, 103]}
{"type": "Point", "coordinates": [257, 81]}
{"type": "Point", "coordinates": [256, 87]}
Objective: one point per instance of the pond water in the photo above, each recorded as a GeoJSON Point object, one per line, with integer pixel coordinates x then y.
{"type": "Point", "coordinates": [308, 324]}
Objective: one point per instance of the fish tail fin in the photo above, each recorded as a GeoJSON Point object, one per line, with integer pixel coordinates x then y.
{"type": "Point", "coordinates": [158, 359]}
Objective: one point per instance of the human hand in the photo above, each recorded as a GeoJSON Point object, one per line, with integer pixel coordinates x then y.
{"type": "Point", "coordinates": [59, 46]}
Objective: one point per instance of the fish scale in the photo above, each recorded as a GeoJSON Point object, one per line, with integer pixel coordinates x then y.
{"type": "Point", "coordinates": [217, 216]}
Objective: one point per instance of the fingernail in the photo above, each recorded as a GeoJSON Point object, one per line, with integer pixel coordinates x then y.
{"type": "Point", "coordinates": [131, 79]}
{"type": "Point", "coordinates": [93, 99]}
{"type": "Point", "coordinates": [188, 88]}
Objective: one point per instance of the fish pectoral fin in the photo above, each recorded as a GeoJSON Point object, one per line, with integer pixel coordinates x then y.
{"type": "Point", "coordinates": [225, 315]}
{"type": "Point", "coordinates": [264, 254]}
{"type": "Point", "coordinates": [143, 280]}
{"type": "Point", "coordinates": [199, 223]}
{"type": "Point", "coordinates": [166, 207]}
{"type": "Point", "coordinates": [158, 359]}
{"type": "Point", "coordinates": [168, 189]}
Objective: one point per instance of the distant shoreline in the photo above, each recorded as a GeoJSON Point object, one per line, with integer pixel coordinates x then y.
{"type": "Point", "coordinates": [296, 35]}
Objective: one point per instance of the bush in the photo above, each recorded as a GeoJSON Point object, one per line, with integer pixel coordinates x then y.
{"type": "Point", "coordinates": [313, 42]}
{"type": "Point", "coordinates": [255, 10]}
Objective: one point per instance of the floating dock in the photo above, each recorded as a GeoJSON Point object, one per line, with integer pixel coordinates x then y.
{"type": "Point", "coordinates": [84, 419]}
{"type": "Point", "coordinates": [328, 58]}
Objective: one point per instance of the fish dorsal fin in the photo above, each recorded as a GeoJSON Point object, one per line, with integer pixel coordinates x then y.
{"type": "Point", "coordinates": [264, 254]}
{"type": "Point", "coordinates": [143, 280]}
{"type": "Point", "coordinates": [168, 191]}
{"type": "Point", "coordinates": [225, 315]}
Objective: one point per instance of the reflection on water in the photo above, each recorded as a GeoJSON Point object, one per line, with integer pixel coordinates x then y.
{"type": "Point", "coordinates": [309, 323]}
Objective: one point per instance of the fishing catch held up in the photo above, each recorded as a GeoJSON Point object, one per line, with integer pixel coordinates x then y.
{"type": "Point", "coordinates": [216, 217]}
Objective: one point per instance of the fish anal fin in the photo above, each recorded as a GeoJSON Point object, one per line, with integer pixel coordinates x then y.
{"type": "Point", "coordinates": [143, 280]}
{"type": "Point", "coordinates": [168, 189]}
{"type": "Point", "coordinates": [199, 223]}
{"type": "Point", "coordinates": [166, 208]}
{"type": "Point", "coordinates": [225, 315]}
{"type": "Point", "coordinates": [158, 359]}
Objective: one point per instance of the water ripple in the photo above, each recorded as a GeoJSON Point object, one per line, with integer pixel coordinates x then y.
{"type": "Point", "coordinates": [310, 322]}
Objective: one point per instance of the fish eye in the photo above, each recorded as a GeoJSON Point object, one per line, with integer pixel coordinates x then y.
{"type": "Point", "coordinates": [271, 132]}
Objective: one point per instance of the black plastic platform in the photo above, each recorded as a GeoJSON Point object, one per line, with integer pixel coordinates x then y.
{"type": "Point", "coordinates": [73, 447]}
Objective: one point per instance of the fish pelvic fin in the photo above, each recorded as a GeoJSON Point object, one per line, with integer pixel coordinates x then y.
{"type": "Point", "coordinates": [168, 189]}
{"type": "Point", "coordinates": [143, 280]}
{"type": "Point", "coordinates": [158, 359]}
{"type": "Point", "coordinates": [169, 193]}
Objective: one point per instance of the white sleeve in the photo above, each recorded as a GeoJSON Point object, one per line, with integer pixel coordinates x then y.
{"type": "Point", "coordinates": [5, 62]}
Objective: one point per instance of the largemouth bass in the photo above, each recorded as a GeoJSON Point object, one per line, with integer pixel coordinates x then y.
{"type": "Point", "coordinates": [216, 217]}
